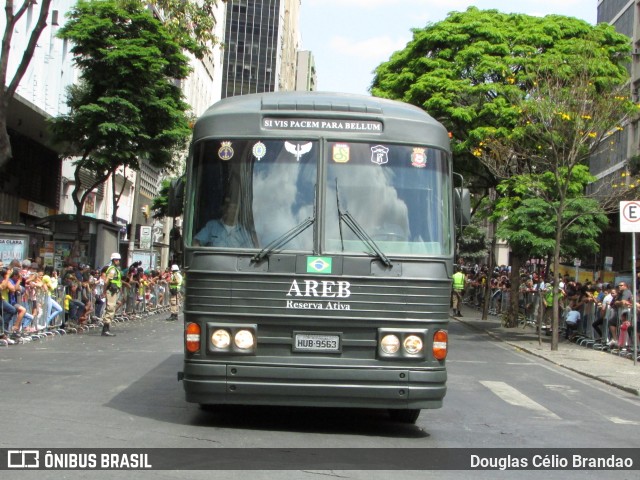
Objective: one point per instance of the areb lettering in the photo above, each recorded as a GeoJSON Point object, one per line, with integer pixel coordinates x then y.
{"type": "Point", "coordinates": [321, 289]}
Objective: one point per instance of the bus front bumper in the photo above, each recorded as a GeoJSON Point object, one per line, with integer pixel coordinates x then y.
{"type": "Point", "coordinates": [242, 384]}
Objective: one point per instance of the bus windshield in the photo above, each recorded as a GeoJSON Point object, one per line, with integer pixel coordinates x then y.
{"type": "Point", "coordinates": [395, 193]}
{"type": "Point", "coordinates": [249, 192]}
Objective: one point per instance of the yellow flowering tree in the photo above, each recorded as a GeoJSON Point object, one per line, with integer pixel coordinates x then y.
{"type": "Point", "coordinates": [570, 115]}
{"type": "Point", "coordinates": [480, 73]}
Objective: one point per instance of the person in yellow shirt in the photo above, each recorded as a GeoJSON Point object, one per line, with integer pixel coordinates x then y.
{"type": "Point", "coordinates": [113, 284]}
{"type": "Point", "coordinates": [9, 312]}
{"type": "Point", "coordinates": [50, 284]}
{"type": "Point", "coordinates": [457, 291]}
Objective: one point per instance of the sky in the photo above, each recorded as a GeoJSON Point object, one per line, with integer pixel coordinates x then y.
{"type": "Point", "coordinates": [350, 38]}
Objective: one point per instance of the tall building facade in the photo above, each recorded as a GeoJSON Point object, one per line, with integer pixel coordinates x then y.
{"type": "Point", "coordinates": [261, 43]}
{"type": "Point", "coordinates": [41, 94]}
{"type": "Point", "coordinates": [622, 149]}
{"type": "Point", "coordinates": [36, 185]}
{"type": "Point", "coordinates": [624, 16]}
{"type": "Point", "coordinates": [306, 78]}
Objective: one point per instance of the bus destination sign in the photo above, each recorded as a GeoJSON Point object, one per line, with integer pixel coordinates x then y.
{"type": "Point", "coordinates": [326, 124]}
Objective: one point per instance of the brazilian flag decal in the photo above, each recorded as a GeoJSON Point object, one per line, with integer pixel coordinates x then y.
{"type": "Point", "coordinates": [319, 264]}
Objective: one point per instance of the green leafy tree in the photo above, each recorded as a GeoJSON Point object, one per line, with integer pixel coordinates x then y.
{"type": "Point", "coordinates": [472, 244]}
{"type": "Point", "coordinates": [126, 106]}
{"type": "Point", "coordinates": [471, 69]}
{"type": "Point", "coordinates": [190, 22]}
{"type": "Point", "coordinates": [161, 210]}
{"type": "Point", "coordinates": [571, 112]}
{"type": "Point", "coordinates": [526, 215]}
{"type": "Point", "coordinates": [161, 202]}
{"type": "Point", "coordinates": [481, 74]}
{"type": "Point", "coordinates": [160, 205]}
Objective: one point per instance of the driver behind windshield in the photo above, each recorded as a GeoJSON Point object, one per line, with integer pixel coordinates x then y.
{"type": "Point", "coordinates": [225, 231]}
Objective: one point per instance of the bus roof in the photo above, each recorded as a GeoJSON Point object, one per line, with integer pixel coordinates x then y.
{"type": "Point", "coordinates": [245, 115]}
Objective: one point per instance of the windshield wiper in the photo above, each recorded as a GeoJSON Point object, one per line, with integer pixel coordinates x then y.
{"type": "Point", "coordinates": [339, 215]}
{"type": "Point", "coordinates": [283, 239]}
{"type": "Point", "coordinates": [360, 232]}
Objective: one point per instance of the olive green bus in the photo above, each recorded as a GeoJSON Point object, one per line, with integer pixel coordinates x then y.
{"type": "Point", "coordinates": [318, 245]}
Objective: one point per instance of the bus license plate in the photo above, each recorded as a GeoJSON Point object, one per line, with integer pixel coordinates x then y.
{"type": "Point", "coordinates": [314, 342]}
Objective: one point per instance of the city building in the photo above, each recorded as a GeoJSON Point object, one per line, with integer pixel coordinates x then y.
{"type": "Point", "coordinates": [623, 147]}
{"type": "Point", "coordinates": [261, 43]}
{"type": "Point", "coordinates": [30, 181]}
{"type": "Point", "coordinates": [306, 78]}
{"type": "Point", "coordinates": [36, 185]}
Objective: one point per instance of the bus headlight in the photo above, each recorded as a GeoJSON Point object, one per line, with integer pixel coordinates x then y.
{"type": "Point", "coordinates": [244, 339]}
{"type": "Point", "coordinates": [402, 344]}
{"type": "Point", "coordinates": [232, 339]}
{"type": "Point", "coordinates": [390, 344]}
{"type": "Point", "coordinates": [412, 344]}
{"type": "Point", "coordinates": [221, 339]}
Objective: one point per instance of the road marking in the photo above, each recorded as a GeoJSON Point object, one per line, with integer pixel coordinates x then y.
{"type": "Point", "coordinates": [622, 421]}
{"type": "Point", "coordinates": [564, 390]}
{"type": "Point", "coordinates": [514, 397]}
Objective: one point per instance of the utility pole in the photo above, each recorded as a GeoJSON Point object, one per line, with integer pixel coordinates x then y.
{"type": "Point", "coordinates": [134, 220]}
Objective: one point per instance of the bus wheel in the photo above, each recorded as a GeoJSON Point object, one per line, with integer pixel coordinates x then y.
{"type": "Point", "coordinates": [404, 416]}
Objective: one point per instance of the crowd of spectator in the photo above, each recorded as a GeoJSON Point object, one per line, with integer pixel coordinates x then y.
{"type": "Point", "coordinates": [599, 314]}
{"type": "Point", "coordinates": [37, 299]}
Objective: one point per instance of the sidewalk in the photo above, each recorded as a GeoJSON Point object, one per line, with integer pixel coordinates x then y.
{"type": "Point", "coordinates": [603, 366]}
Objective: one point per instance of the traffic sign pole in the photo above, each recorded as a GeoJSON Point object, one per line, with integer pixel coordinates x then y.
{"type": "Point", "coordinates": [630, 222]}
{"type": "Point", "coordinates": [635, 305]}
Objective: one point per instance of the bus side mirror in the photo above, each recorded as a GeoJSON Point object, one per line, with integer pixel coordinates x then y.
{"type": "Point", "coordinates": [175, 200]}
{"type": "Point", "coordinates": [462, 206]}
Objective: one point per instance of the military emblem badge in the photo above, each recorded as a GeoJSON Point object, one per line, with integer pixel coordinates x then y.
{"type": "Point", "coordinates": [259, 150]}
{"type": "Point", "coordinates": [419, 158]}
{"type": "Point", "coordinates": [225, 152]}
{"type": "Point", "coordinates": [340, 153]}
{"type": "Point", "coordinates": [379, 154]}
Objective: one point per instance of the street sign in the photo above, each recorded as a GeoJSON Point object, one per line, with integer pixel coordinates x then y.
{"type": "Point", "coordinates": [630, 216]}
{"type": "Point", "coordinates": [630, 222]}
{"type": "Point", "coordinates": [145, 237]}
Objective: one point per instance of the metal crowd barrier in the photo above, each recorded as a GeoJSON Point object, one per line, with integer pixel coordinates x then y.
{"type": "Point", "coordinates": [625, 338]}
{"type": "Point", "coordinates": [4, 341]}
{"type": "Point", "coordinates": [586, 334]}
{"type": "Point", "coordinates": [495, 300]}
{"type": "Point", "coordinates": [58, 321]}
{"type": "Point", "coordinates": [136, 300]}
{"type": "Point", "coordinates": [139, 300]}
{"type": "Point", "coordinates": [529, 307]}
{"type": "Point", "coordinates": [33, 325]}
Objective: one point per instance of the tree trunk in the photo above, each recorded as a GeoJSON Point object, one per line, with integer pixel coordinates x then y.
{"type": "Point", "coordinates": [512, 312]}
{"type": "Point", "coordinates": [541, 309]}
{"type": "Point", "coordinates": [8, 88]}
{"type": "Point", "coordinates": [487, 287]}
{"type": "Point", "coordinates": [555, 323]}
{"type": "Point", "coordinates": [5, 143]}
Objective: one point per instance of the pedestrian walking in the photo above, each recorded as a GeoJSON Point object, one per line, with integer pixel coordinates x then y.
{"type": "Point", "coordinates": [175, 282]}
{"type": "Point", "coordinates": [113, 286]}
